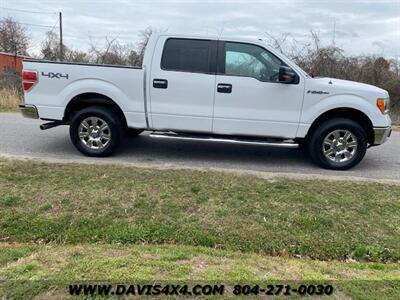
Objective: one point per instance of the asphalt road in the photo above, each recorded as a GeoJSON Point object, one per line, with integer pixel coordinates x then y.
{"type": "Point", "coordinates": [22, 138]}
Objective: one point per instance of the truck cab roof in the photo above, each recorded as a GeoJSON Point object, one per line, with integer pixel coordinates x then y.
{"type": "Point", "coordinates": [250, 39]}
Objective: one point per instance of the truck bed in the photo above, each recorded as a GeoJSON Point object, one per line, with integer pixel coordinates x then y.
{"type": "Point", "coordinates": [79, 64]}
{"type": "Point", "coordinates": [59, 82]}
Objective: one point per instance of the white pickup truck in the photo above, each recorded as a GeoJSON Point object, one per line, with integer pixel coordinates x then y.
{"type": "Point", "coordinates": [209, 88]}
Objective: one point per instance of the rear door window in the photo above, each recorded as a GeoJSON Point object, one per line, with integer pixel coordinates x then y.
{"type": "Point", "coordinates": [187, 55]}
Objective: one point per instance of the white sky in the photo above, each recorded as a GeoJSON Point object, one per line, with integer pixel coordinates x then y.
{"type": "Point", "coordinates": [362, 26]}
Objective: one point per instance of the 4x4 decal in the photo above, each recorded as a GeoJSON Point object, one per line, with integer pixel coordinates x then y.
{"type": "Point", "coordinates": [55, 75]}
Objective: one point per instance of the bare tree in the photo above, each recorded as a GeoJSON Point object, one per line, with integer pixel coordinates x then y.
{"type": "Point", "coordinates": [112, 52]}
{"type": "Point", "coordinates": [50, 50]}
{"type": "Point", "coordinates": [144, 39]}
{"type": "Point", "coordinates": [50, 47]}
{"type": "Point", "coordinates": [13, 37]}
{"type": "Point", "coordinates": [76, 56]}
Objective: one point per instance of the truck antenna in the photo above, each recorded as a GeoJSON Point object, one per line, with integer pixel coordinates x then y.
{"type": "Point", "coordinates": [334, 33]}
{"type": "Point", "coordinates": [222, 29]}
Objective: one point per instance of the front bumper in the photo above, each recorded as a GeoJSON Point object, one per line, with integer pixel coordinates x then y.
{"type": "Point", "coordinates": [29, 111]}
{"type": "Point", "coordinates": [381, 134]}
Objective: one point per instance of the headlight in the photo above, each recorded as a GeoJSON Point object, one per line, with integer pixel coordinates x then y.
{"type": "Point", "coordinates": [383, 104]}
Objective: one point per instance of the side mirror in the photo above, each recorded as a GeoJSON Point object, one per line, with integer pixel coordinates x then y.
{"type": "Point", "coordinates": [287, 75]}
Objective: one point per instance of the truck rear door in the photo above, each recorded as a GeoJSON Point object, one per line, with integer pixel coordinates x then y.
{"type": "Point", "coordinates": [182, 86]}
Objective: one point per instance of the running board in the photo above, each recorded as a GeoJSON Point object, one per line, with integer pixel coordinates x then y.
{"type": "Point", "coordinates": [215, 139]}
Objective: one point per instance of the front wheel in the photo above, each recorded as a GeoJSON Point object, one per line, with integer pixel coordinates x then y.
{"type": "Point", "coordinates": [133, 132]}
{"type": "Point", "coordinates": [338, 144]}
{"type": "Point", "coordinates": [96, 131]}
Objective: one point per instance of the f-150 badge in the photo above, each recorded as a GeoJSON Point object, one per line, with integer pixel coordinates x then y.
{"type": "Point", "coordinates": [317, 92]}
{"type": "Point", "coordinates": [55, 75]}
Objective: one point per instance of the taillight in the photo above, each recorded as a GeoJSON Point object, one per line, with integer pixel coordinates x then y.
{"type": "Point", "coordinates": [27, 85]}
{"type": "Point", "coordinates": [29, 78]}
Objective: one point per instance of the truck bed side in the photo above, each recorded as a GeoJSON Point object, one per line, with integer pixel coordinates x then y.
{"type": "Point", "coordinates": [58, 83]}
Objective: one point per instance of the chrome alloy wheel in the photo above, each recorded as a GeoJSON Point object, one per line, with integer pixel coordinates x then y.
{"type": "Point", "coordinates": [94, 133]}
{"type": "Point", "coordinates": [340, 146]}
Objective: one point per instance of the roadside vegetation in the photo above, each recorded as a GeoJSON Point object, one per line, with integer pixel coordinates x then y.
{"type": "Point", "coordinates": [63, 223]}
{"type": "Point", "coordinates": [9, 99]}
{"type": "Point", "coordinates": [108, 204]}
{"type": "Point", "coordinates": [46, 270]}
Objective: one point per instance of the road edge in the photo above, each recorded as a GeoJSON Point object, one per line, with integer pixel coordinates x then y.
{"type": "Point", "coordinates": [269, 176]}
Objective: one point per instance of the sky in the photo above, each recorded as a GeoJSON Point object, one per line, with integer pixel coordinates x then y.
{"type": "Point", "coordinates": [360, 27]}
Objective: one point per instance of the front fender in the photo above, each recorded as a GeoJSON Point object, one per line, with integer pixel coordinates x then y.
{"type": "Point", "coordinates": [312, 110]}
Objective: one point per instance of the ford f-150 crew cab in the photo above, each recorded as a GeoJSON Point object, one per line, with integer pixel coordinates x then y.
{"type": "Point", "coordinates": [217, 89]}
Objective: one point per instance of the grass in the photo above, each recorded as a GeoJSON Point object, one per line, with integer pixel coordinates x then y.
{"type": "Point", "coordinates": [70, 223]}
{"type": "Point", "coordinates": [46, 270]}
{"type": "Point", "coordinates": [9, 100]}
{"type": "Point", "coordinates": [74, 204]}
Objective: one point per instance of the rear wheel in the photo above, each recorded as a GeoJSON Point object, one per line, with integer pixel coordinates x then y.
{"type": "Point", "coordinates": [338, 144]}
{"type": "Point", "coordinates": [96, 131]}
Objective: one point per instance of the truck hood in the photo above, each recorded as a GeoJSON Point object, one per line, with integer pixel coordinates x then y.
{"type": "Point", "coordinates": [340, 86]}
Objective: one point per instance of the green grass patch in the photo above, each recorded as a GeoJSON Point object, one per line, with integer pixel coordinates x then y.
{"type": "Point", "coordinates": [8, 200]}
{"type": "Point", "coordinates": [47, 270]}
{"type": "Point", "coordinates": [10, 254]}
{"type": "Point", "coordinates": [87, 203]}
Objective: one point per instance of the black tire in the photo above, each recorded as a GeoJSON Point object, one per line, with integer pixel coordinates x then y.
{"type": "Point", "coordinates": [303, 145]}
{"type": "Point", "coordinates": [132, 132]}
{"type": "Point", "coordinates": [115, 129]}
{"type": "Point", "coordinates": [316, 140]}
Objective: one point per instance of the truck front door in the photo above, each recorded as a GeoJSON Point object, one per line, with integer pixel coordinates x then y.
{"type": "Point", "coordinates": [249, 100]}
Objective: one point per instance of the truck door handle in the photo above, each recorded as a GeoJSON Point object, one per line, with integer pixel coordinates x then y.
{"type": "Point", "coordinates": [224, 88]}
{"type": "Point", "coordinates": [160, 83]}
